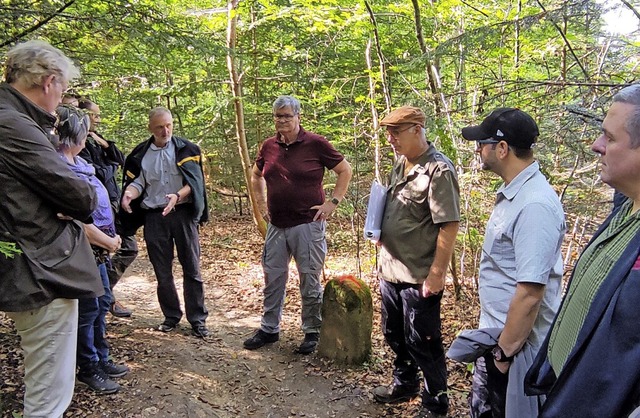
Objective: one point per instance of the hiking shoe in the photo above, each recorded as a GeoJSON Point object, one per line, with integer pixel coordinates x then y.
{"type": "Point", "coordinates": [309, 344]}
{"type": "Point", "coordinates": [259, 339]}
{"type": "Point", "coordinates": [166, 327]}
{"type": "Point", "coordinates": [395, 393]}
{"type": "Point", "coordinates": [199, 331]}
{"type": "Point", "coordinates": [97, 380]}
{"type": "Point", "coordinates": [113, 370]}
{"type": "Point", "coordinates": [118, 310]}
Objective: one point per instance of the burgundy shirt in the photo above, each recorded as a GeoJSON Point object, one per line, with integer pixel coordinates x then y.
{"type": "Point", "coordinates": [294, 174]}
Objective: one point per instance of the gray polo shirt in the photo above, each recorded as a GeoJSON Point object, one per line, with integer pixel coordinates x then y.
{"type": "Point", "coordinates": [159, 176]}
{"type": "Point", "coordinates": [416, 204]}
{"type": "Point", "coordinates": [522, 243]}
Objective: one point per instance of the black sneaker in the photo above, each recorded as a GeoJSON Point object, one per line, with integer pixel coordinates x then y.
{"type": "Point", "coordinates": [200, 331]}
{"type": "Point", "coordinates": [395, 393]}
{"type": "Point", "coordinates": [166, 327]}
{"type": "Point", "coordinates": [114, 370]}
{"type": "Point", "coordinates": [259, 339]}
{"type": "Point", "coordinates": [309, 344]}
{"type": "Point", "coordinates": [97, 380]}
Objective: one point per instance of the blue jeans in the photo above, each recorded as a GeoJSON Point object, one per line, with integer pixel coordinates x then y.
{"type": "Point", "coordinates": [92, 325]}
{"type": "Point", "coordinates": [411, 326]}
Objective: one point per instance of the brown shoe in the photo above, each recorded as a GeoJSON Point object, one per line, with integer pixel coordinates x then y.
{"type": "Point", "coordinates": [119, 311]}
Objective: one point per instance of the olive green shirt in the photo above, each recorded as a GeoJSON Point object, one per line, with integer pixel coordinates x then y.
{"type": "Point", "coordinates": [416, 206]}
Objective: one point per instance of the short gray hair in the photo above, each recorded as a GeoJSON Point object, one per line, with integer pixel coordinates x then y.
{"type": "Point", "coordinates": [73, 126]}
{"type": "Point", "coordinates": [29, 62]}
{"type": "Point", "coordinates": [287, 101]}
{"type": "Point", "coordinates": [159, 110]}
{"type": "Point", "coordinates": [631, 95]}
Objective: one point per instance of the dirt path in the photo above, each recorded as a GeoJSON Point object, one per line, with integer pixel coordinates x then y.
{"type": "Point", "coordinates": [178, 375]}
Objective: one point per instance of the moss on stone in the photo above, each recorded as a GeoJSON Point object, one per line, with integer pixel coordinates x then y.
{"type": "Point", "coordinates": [350, 291]}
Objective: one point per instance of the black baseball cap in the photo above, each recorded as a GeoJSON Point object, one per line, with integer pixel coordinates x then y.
{"type": "Point", "coordinates": [508, 124]}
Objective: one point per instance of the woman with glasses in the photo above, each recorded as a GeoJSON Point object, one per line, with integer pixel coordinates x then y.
{"type": "Point", "coordinates": [95, 368]}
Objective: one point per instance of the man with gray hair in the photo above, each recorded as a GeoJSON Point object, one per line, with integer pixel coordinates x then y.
{"type": "Point", "coordinates": [589, 364]}
{"type": "Point", "coordinates": [417, 239]}
{"type": "Point", "coordinates": [287, 181]}
{"type": "Point", "coordinates": [40, 285]}
{"type": "Point", "coordinates": [164, 191]}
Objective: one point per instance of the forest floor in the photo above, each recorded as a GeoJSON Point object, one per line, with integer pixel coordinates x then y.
{"type": "Point", "coordinates": [178, 375]}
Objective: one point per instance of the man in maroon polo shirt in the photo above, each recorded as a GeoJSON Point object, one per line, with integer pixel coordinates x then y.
{"type": "Point", "coordinates": [287, 179]}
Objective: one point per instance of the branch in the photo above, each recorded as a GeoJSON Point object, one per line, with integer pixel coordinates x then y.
{"type": "Point", "coordinates": [383, 69]}
{"type": "Point", "coordinates": [423, 47]}
{"type": "Point", "coordinates": [633, 9]}
{"type": "Point", "coordinates": [37, 25]}
{"type": "Point", "coordinates": [586, 115]}
{"type": "Point", "coordinates": [474, 8]}
{"type": "Point", "coordinates": [226, 192]}
{"type": "Point", "coordinates": [566, 42]}
{"type": "Point", "coordinates": [418, 23]}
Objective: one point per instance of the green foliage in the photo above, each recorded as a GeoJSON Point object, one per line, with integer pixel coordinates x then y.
{"type": "Point", "coordinates": [139, 54]}
{"type": "Point", "coordinates": [9, 249]}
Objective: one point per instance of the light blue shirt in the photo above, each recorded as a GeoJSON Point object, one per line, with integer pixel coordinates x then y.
{"type": "Point", "coordinates": [159, 176]}
{"type": "Point", "coordinates": [522, 244]}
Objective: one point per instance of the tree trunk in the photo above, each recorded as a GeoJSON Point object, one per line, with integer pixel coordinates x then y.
{"type": "Point", "coordinates": [236, 90]}
{"type": "Point", "coordinates": [423, 47]}
{"type": "Point", "coordinates": [372, 88]}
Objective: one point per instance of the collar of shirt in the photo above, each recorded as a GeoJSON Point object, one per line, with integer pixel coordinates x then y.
{"type": "Point", "coordinates": [420, 165]}
{"type": "Point", "coordinates": [154, 147]}
{"type": "Point", "coordinates": [510, 190]}
{"type": "Point", "coordinates": [300, 138]}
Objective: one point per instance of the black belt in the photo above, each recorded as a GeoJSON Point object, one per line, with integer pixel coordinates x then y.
{"type": "Point", "coordinates": [160, 210]}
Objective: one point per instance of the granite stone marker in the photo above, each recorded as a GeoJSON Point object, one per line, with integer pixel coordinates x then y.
{"type": "Point", "coordinates": [347, 320]}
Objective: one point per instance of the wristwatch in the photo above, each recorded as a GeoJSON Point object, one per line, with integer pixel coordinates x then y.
{"type": "Point", "coordinates": [177, 194]}
{"type": "Point", "coordinates": [500, 356]}
{"type": "Point", "coordinates": [334, 200]}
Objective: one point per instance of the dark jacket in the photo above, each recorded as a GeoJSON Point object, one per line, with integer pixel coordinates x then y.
{"type": "Point", "coordinates": [106, 162]}
{"type": "Point", "coordinates": [56, 260]}
{"type": "Point", "coordinates": [189, 162]}
{"type": "Point", "coordinates": [601, 377]}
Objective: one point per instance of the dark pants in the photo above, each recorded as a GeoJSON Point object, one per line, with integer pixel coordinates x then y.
{"type": "Point", "coordinates": [489, 390]}
{"type": "Point", "coordinates": [160, 235]}
{"type": "Point", "coordinates": [122, 259]}
{"type": "Point", "coordinates": [92, 325]}
{"type": "Point", "coordinates": [411, 326]}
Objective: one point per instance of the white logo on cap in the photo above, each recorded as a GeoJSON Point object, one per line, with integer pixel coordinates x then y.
{"type": "Point", "coordinates": [499, 133]}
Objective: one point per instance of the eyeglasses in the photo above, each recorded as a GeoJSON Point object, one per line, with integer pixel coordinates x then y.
{"type": "Point", "coordinates": [285, 117]}
{"type": "Point", "coordinates": [397, 131]}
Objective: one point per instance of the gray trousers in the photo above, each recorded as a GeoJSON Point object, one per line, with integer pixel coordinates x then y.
{"type": "Point", "coordinates": [160, 234]}
{"type": "Point", "coordinates": [308, 246]}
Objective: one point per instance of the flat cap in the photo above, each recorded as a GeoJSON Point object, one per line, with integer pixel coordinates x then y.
{"type": "Point", "coordinates": [402, 115]}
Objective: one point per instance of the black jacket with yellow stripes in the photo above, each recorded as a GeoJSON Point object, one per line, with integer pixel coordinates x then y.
{"type": "Point", "coordinates": [189, 162]}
